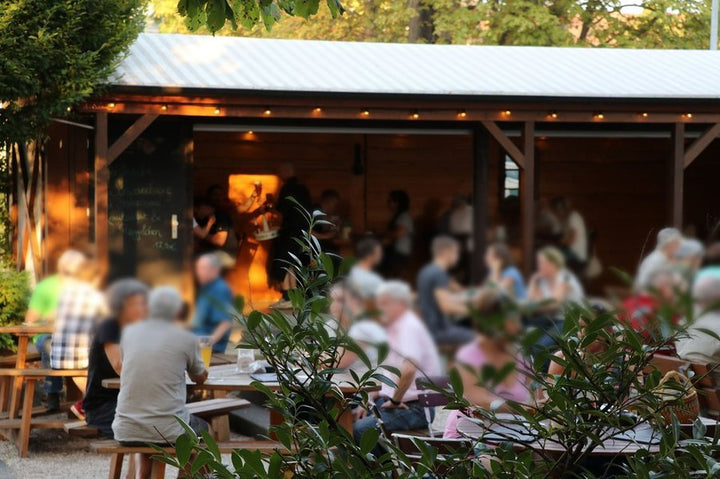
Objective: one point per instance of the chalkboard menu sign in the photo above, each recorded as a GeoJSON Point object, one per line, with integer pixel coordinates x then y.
{"type": "Point", "coordinates": [150, 206]}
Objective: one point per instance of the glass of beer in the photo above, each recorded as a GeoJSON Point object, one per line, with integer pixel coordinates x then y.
{"type": "Point", "coordinates": [205, 350]}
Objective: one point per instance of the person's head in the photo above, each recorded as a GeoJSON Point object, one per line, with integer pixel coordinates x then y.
{"type": "Point", "coordinates": [706, 290]}
{"type": "Point", "coordinates": [394, 298]}
{"type": "Point", "coordinates": [550, 261]}
{"type": "Point", "coordinates": [690, 254]}
{"type": "Point", "coordinates": [202, 209]}
{"type": "Point", "coordinates": [712, 255]}
{"type": "Point", "coordinates": [493, 317]}
{"type": "Point", "coordinates": [668, 241]}
{"type": "Point", "coordinates": [207, 268]}
{"type": "Point", "coordinates": [561, 207]}
{"type": "Point", "coordinates": [165, 303]}
{"type": "Point", "coordinates": [71, 263]}
{"type": "Point", "coordinates": [329, 201]}
{"type": "Point", "coordinates": [216, 195]}
{"type": "Point", "coordinates": [286, 170]}
{"type": "Point", "coordinates": [368, 251]}
{"type": "Point", "coordinates": [445, 251]}
{"type": "Point", "coordinates": [499, 254]}
{"type": "Point", "coordinates": [398, 201]}
{"type": "Point", "coordinates": [665, 283]}
{"type": "Point", "coordinates": [127, 300]}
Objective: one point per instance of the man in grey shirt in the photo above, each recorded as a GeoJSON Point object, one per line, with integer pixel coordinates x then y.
{"type": "Point", "coordinates": [155, 356]}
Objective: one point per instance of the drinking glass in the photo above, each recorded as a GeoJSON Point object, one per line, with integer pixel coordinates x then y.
{"type": "Point", "coordinates": [205, 350]}
{"type": "Point", "coordinates": [245, 358]}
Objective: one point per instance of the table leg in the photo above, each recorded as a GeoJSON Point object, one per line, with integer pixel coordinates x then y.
{"type": "Point", "coordinates": [220, 428]}
{"type": "Point", "coordinates": [18, 382]}
{"type": "Point", "coordinates": [346, 420]}
{"type": "Point", "coordinates": [158, 470]}
{"type": "Point", "coordinates": [5, 386]}
{"type": "Point", "coordinates": [23, 438]}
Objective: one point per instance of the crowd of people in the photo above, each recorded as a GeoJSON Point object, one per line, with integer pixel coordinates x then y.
{"type": "Point", "coordinates": [143, 336]}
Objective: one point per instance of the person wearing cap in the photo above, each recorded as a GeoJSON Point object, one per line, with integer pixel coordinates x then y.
{"type": "Point", "coordinates": [668, 242]}
{"type": "Point", "coordinates": [42, 308]}
{"type": "Point", "coordinates": [698, 345]}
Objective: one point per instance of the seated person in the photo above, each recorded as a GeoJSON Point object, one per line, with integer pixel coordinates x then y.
{"type": "Point", "coordinates": [348, 307]}
{"type": "Point", "coordinates": [668, 242]}
{"type": "Point", "coordinates": [503, 272]}
{"type": "Point", "coordinates": [81, 307]}
{"type": "Point", "coordinates": [699, 346]}
{"type": "Point", "coordinates": [156, 354]}
{"type": "Point", "coordinates": [641, 310]}
{"type": "Point", "coordinates": [439, 297]}
{"type": "Point", "coordinates": [362, 276]}
{"type": "Point", "coordinates": [553, 283]}
{"type": "Point", "coordinates": [689, 256]}
{"type": "Point", "coordinates": [412, 352]}
{"type": "Point", "coordinates": [127, 302]}
{"type": "Point", "coordinates": [213, 304]}
{"type": "Point", "coordinates": [42, 309]}
{"type": "Point", "coordinates": [496, 331]}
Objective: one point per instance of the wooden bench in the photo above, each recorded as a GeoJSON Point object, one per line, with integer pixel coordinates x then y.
{"type": "Point", "coordinates": [215, 412]}
{"type": "Point", "coordinates": [21, 427]}
{"type": "Point", "coordinates": [117, 453]}
{"type": "Point", "coordinates": [11, 360]}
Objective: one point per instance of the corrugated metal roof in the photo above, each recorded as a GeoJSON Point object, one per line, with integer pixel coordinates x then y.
{"type": "Point", "coordinates": [206, 62]}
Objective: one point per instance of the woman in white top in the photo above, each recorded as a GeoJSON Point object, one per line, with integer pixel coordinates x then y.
{"type": "Point", "coordinates": [553, 284]}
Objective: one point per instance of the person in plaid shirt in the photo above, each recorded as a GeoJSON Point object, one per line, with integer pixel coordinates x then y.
{"type": "Point", "coordinates": [80, 308]}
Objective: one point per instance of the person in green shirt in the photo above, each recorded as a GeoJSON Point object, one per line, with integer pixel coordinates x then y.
{"type": "Point", "coordinates": [41, 309]}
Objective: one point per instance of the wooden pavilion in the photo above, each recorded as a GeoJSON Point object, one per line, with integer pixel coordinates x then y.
{"type": "Point", "coordinates": [627, 135]}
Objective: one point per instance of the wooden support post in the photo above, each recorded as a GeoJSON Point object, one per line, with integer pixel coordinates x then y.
{"type": "Point", "coordinates": [528, 196]}
{"type": "Point", "coordinates": [699, 145]}
{"type": "Point", "coordinates": [102, 177]}
{"type": "Point", "coordinates": [676, 176]}
{"type": "Point", "coordinates": [130, 135]}
{"type": "Point", "coordinates": [481, 163]}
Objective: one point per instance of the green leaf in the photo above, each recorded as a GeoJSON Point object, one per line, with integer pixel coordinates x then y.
{"type": "Point", "coordinates": [369, 440]}
{"type": "Point", "coordinates": [183, 449]}
{"type": "Point", "coordinates": [456, 382]}
{"type": "Point", "coordinates": [215, 15]}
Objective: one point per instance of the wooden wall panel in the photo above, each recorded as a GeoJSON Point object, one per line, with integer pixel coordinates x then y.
{"type": "Point", "coordinates": [702, 201]}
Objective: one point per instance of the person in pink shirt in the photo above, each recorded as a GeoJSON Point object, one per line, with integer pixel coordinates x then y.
{"type": "Point", "coordinates": [493, 346]}
{"type": "Point", "coordinates": [412, 352]}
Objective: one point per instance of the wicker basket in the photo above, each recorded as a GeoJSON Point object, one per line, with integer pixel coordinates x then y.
{"type": "Point", "coordinates": [684, 404]}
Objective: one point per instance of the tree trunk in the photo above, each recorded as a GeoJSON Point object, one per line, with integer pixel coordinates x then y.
{"type": "Point", "coordinates": [421, 28]}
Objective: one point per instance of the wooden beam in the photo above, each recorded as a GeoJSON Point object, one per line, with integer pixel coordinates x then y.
{"type": "Point", "coordinates": [528, 196]}
{"type": "Point", "coordinates": [676, 176]}
{"type": "Point", "coordinates": [102, 177]}
{"type": "Point", "coordinates": [481, 164]}
{"type": "Point", "coordinates": [699, 145]}
{"type": "Point", "coordinates": [130, 135]}
{"type": "Point", "coordinates": [507, 144]}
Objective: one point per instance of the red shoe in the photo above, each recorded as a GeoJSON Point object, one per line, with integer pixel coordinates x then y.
{"type": "Point", "coordinates": [78, 410]}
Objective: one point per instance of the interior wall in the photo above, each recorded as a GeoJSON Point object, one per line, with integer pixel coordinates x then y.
{"type": "Point", "coordinates": [702, 201]}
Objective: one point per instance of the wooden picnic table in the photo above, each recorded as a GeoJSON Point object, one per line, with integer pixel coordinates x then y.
{"type": "Point", "coordinates": [23, 332]}
{"type": "Point", "coordinates": [474, 431]}
{"type": "Point", "coordinates": [224, 379]}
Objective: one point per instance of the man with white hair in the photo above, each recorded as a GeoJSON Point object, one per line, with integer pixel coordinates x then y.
{"type": "Point", "coordinates": [214, 301]}
{"type": "Point", "coordinates": [699, 346]}
{"type": "Point", "coordinates": [689, 256]}
{"type": "Point", "coordinates": [668, 242]}
{"type": "Point", "coordinates": [42, 308]}
{"type": "Point", "coordinates": [155, 356]}
{"type": "Point", "coordinates": [412, 352]}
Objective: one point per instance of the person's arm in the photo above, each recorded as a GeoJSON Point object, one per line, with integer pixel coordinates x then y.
{"type": "Point", "coordinates": [218, 239]}
{"type": "Point", "coordinates": [407, 376]}
{"type": "Point", "coordinates": [534, 293]}
{"type": "Point", "coordinates": [220, 330]}
{"type": "Point", "coordinates": [199, 378]}
{"type": "Point", "coordinates": [114, 356]}
{"type": "Point", "coordinates": [202, 232]}
{"type": "Point", "coordinates": [507, 285]}
{"type": "Point", "coordinates": [346, 358]}
{"type": "Point", "coordinates": [32, 316]}
{"type": "Point", "coordinates": [450, 303]}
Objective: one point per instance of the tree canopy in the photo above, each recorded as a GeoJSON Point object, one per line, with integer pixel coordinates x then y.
{"type": "Point", "coordinates": [55, 54]}
{"type": "Point", "coordinates": [617, 23]}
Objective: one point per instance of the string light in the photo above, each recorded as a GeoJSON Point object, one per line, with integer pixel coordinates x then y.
{"type": "Point", "coordinates": [688, 115]}
{"type": "Point", "coordinates": [644, 114]}
{"type": "Point", "coordinates": [365, 112]}
{"type": "Point", "coordinates": [164, 108]}
{"type": "Point", "coordinates": [599, 116]}
{"type": "Point", "coordinates": [415, 115]}
{"type": "Point", "coordinates": [111, 105]}
{"type": "Point", "coordinates": [267, 112]}
{"type": "Point", "coordinates": [462, 114]}
{"type": "Point", "coordinates": [553, 114]}
{"type": "Point", "coordinates": [68, 109]}
{"type": "Point", "coordinates": [217, 110]}
{"type": "Point", "coordinates": [317, 109]}
{"type": "Point", "coordinates": [250, 132]}
{"type": "Point", "coordinates": [507, 113]}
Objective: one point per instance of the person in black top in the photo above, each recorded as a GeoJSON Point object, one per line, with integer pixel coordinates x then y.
{"type": "Point", "coordinates": [294, 223]}
{"type": "Point", "coordinates": [127, 300]}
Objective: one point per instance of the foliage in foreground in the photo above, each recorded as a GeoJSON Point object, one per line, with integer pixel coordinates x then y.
{"type": "Point", "coordinates": [54, 54]}
{"type": "Point", "coordinates": [14, 297]}
{"type": "Point", "coordinates": [600, 393]}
